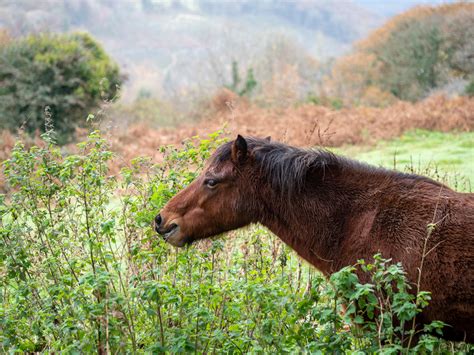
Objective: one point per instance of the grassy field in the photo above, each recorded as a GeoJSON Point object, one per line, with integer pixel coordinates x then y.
{"type": "Point", "coordinates": [448, 157]}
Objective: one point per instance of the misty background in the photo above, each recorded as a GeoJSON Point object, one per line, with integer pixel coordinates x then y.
{"type": "Point", "coordinates": [182, 51]}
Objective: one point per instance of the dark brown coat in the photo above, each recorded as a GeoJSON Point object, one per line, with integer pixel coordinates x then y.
{"type": "Point", "coordinates": [333, 211]}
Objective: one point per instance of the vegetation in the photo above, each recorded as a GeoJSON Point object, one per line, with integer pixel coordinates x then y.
{"type": "Point", "coordinates": [61, 77]}
{"type": "Point", "coordinates": [447, 157]}
{"type": "Point", "coordinates": [249, 84]}
{"type": "Point", "coordinates": [184, 62]}
{"type": "Point", "coordinates": [470, 88]}
{"type": "Point", "coordinates": [147, 111]}
{"type": "Point", "coordinates": [332, 102]}
{"type": "Point", "coordinates": [413, 54]}
{"type": "Point", "coordinates": [82, 270]}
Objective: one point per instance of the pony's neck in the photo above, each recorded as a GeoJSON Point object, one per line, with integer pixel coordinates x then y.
{"type": "Point", "coordinates": [313, 222]}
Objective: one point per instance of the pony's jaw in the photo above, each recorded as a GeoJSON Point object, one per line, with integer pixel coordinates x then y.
{"type": "Point", "coordinates": [177, 242]}
{"type": "Point", "coordinates": [176, 237]}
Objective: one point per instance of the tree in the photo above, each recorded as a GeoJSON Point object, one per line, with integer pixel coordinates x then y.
{"type": "Point", "coordinates": [410, 58]}
{"type": "Point", "coordinates": [413, 54]}
{"type": "Point", "coordinates": [64, 76]}
{"type": "Point", "coordinates": [248, 86]}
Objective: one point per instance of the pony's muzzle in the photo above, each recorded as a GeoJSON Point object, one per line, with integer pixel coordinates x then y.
{"type": "Point", "coordinates": [161, 229]}
{"type": "Point", "coordinates": [158, 221]}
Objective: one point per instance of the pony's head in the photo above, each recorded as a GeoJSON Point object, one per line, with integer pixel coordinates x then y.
{"type": "Point", "coordinates": [222, 198]}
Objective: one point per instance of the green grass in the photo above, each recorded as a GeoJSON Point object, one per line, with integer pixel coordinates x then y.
{"type": "Point", "coordinates": [447, 157]}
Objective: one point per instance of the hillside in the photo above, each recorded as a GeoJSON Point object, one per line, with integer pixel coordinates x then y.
{"type": "Point", "coordinates": [168, 47]}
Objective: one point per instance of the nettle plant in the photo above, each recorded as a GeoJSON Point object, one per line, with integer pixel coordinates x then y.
{"type": "Point", "coordinates": [83, 271]}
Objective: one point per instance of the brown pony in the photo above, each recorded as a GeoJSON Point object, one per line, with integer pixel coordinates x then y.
{"type": "Point", "coordinates": [334, 211]}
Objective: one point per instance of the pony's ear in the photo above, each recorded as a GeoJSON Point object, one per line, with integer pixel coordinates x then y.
{"type": "Point", "coordinates": [268, 139]}
{"type": "Point", "coordinates": [239, 150]}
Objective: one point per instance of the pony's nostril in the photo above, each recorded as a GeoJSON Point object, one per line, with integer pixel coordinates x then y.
{"type": "Point", "coordinates": [158, 220]}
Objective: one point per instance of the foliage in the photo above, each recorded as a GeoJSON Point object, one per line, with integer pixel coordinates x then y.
{"type": "Point", "coordinates": [409, 59]}
{"type": "Point", "coordinates": [332, 102]}
{"type": "Point", "coordinates": [146, 110]}
{"type": "Point", "coordinates": [470, 89]}
{"type": "Point", "coordinates": [61, 77]}
{"type": "Point", "coordinates": [82, 270]}
{"type": "Point", "coordinates": [4, 37]}
{"type": "Point", "coordinates": [249, 84]}
{"type": "Point", "coordinates": [411, 55]}
{"type": "Point", "coordinates": [446, 157]}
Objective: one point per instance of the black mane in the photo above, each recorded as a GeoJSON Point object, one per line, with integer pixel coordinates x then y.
{"type": "Point", "coordinates": [287, 167]}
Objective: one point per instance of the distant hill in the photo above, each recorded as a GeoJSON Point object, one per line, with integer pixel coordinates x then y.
{"type": "Point", "coordinates": [171, 47]}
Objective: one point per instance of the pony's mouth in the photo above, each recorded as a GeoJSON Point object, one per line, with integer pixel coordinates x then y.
{"type": "Point", "coordinates": [175, 237]}
{"type": "Point", "coordinates": [173, 229]}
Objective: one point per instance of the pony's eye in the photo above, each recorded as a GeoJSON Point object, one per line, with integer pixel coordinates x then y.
{"type": "Point", "coordinates": [211, 183]}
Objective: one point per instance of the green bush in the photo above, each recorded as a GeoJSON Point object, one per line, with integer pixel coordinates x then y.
{"type": "Point", "coordinates": [81, 270]}
{"type": "Point", "coordinates": [247, 87]}
{"type": "Point", "coordinates": [57, 77]}
{"type": "Point", "coordinates": [335, 103]}
{"type": "Point", "coordinates": [424, 50]}
{"type": "Point", "coordinates": [410, 58]}
{"type": "Point", "coordinates": [469, 90]}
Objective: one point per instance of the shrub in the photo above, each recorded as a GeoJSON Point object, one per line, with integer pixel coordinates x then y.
{"type": "Point", "coordinates": [415, 52]}
{"type": "Point", "coordinates": [64, 76]}
{"type": "Point", "coordinates": [332, 102]}
{"type": "Point", "coordinates": [249, 84]}
{"type": "Point", "coordinates": [409, 58]}
{"type": "Point", "coordinates": [469, 90]}
{"type": "Point", "coordinates": [82, 270]}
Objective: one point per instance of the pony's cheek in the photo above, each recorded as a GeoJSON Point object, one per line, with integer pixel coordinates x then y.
{"type": "Point", "coordinates": [194, 219]}
{"type": "Point", "coordinates": [202, 222]}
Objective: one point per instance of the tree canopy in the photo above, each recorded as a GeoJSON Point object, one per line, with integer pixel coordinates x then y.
{"type": "Point", "coordinates": [63, 77]}
{"type": "Point", "coordinates": [413, 54]}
